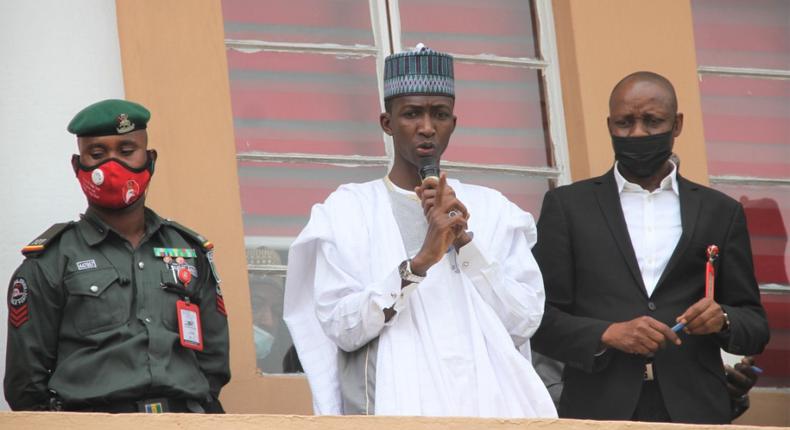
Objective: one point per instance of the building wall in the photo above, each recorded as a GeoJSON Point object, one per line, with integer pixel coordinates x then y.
{"type": "Point", "coordinates": [56, 58]}
{"type": "Point", "coordinates": [73, 421]}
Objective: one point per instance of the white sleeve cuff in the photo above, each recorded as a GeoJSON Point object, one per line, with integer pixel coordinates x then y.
{"type": "Point", "coordinates": [472, 261]}
{"type": "Point", "coordinates": [391, 295]}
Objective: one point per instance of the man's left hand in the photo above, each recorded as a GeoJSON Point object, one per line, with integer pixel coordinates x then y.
{"type": "Point", "coordinates": [741, 378]}
{"type": "Point", "coordinates": [703, 317]}
{"type": "Point", "coordinates": [427, 192]}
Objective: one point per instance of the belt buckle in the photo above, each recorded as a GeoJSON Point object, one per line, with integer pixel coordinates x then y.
{"type": "Point", "coordinates": [648, 375]}
{"type": "Point", "coordinates": [153, 406]}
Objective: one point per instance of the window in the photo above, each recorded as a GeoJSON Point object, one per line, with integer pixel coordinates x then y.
{"type": "Point", "coordinates": [306, 90]}
{"type": "Point", "coordinates": [743, 55]}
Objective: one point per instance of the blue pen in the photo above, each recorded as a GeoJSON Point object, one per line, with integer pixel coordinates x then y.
{"type": "Point", "coordinates": [757, 369]}
{"type": "Point", "coordinates": [678, 327]}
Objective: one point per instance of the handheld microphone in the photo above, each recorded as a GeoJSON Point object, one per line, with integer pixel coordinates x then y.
{"type": "Point", "coordinates": [429, 168]}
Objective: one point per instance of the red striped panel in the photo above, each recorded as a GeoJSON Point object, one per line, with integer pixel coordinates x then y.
{"type": "Point", "coordinates": [747, 126]}
{"type": "Point", "coordinates": [753, 33]}
{"type": "Point", "coordinates": [312, 21]}
{"type": "Point", "coordinates": [498, 27]}
{"type": "Point", "coordinates": [776, 306]}
{"type": "Point", "coordinates": [328, 13]}
{"type": "Point", "coordinates": [767, 211]}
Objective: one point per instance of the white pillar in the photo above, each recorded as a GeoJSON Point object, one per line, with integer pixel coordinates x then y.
{"type": "Point", "coordinates": [56, 57]}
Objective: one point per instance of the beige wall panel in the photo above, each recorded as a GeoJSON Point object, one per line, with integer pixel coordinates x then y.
{"type": "Point", "coordinates": [75, 421]}
{"type": "Point", "coordinates": [600, 42]}
{"type": "Point", "coordinates": [769, 407]}
{"type": "Point", "coordinates": [174, 62]}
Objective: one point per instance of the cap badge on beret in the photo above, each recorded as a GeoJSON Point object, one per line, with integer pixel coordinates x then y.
{"type": "Point", "coordinates": [422, 71]}
{"type": "Point", "coordinates": [124, 124]}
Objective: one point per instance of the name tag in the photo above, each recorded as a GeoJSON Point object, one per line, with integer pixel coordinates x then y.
{"type": "Point", "coordinates": [86, 265]}
{"type": "Point", "coordinates": [189, 329]}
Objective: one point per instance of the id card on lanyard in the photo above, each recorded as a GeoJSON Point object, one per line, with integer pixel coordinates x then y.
{"type": "Point", "coordinates": [189, 329]}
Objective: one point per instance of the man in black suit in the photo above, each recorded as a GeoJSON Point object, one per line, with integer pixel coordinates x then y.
{"type": "Point", "coordinates": [623, 259]}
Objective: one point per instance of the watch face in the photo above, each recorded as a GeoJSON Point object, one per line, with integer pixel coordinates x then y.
{"type": "Point", "coordinates": [404, 273]}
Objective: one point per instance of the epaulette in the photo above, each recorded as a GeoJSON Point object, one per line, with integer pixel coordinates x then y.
{"type": "Point", "coordinates": [206, 244]}
{"type": "Point", "coordinates": [40, 243]}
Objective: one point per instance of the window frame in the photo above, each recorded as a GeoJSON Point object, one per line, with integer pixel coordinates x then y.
{"type": "Point", "coordinates": [753, 73]}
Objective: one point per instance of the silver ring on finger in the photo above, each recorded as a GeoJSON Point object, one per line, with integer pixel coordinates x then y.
{"type": "Point", "coordinates": [453, 213]}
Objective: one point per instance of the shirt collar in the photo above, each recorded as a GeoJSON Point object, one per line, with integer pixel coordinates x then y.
{"type": "Point", "coordinates": [94, 230]}
{"type": "Point", "coordinates": [394, 188]}
{"type": "Point", "coordinates": [670, 182]}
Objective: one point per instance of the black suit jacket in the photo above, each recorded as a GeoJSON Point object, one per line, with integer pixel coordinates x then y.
{"type": "Point", "coordinates": [592, 279]}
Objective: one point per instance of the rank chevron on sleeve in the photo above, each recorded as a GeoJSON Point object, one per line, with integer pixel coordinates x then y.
{"type": "Point", "coordinates": [18, 316]}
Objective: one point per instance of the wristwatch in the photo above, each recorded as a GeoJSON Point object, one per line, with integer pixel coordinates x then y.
{"type": "Point", "coordinates": [726, 325]}
{"type": "Point", "coordinates": [406, 274]}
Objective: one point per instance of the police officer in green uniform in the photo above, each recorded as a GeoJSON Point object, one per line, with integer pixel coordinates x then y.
{"type": "Point", "coordinates": [120, 311]}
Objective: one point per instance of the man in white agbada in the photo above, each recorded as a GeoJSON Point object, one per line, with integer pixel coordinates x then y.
{"type": "Point", "coordinates": [414, 298]}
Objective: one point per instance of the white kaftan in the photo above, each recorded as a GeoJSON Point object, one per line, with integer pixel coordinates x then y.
{"type": "Point", "coordinates": [451, 349]}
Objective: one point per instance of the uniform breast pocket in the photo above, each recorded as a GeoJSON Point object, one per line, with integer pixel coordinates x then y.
{"type": "Point", "coordinates": [97, 302]}
{"type": "Point", "coordinates": [169, 297]}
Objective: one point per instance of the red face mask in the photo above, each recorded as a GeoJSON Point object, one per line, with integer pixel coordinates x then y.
{"type": "Point", "coordinates": [112, 184]}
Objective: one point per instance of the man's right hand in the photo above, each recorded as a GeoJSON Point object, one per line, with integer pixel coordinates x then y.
{"type": "Point", "coordinates": [643, 335]}
{"type": "Point", "coordinates": [442, 228]}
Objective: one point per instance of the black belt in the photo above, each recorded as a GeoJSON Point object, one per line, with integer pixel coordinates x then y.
{"type": "Point", "coordinates": [149, 406]}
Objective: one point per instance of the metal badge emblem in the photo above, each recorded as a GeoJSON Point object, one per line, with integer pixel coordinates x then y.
{"type": "Point", "coordinates": [124, 124]}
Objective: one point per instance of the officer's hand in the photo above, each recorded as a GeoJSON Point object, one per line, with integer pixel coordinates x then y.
{"type": "Point", "coordinates": [446, 217]}
{"type": "Point", "coordinates": [643, 335]}
{"type": "Point", "coordinates": [703, 317]}
{"type": "Point", "coordinates": [741, 378]}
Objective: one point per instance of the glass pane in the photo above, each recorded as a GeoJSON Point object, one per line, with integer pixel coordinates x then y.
{"type": "Point", "coordinates": [774, 360]}
{"type": "Point", "coordinates": [768, 219]}
{"type": "Point", "coordinates": [344, 22]}
{"type": "Point", "coordinates": [526, 192]}
{"type": "Point", "coordinates": [500, 116]}
{"type": "Point", "coordinates": [747, 126]}
{"type": "Point", "coordinates": [270, 334]}
{"type": "Point", "coordinates": [499, 27]}
{"type": "Point", "coordinates": [276, 198]}
{"type": "Point", "coordinates": [288, 102]}
{"type": "Point", "coordinates": [754, 33]}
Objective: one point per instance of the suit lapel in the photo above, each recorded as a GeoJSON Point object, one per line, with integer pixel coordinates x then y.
{"type": "Point", "coordinates": [609, 203]}
{"type": "Point", "coordinates": [689, 212]}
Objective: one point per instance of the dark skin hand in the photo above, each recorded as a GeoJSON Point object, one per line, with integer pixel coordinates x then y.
{"type": "Point", "coordinates": [643, 335]}
{"type": "Point", "coordinates": [443, 230]}
{"type": "Point", "coordinates": [703, 317]}
{"type": "Point", "coordinates": [428, 193]}
{"type": "Point", "coordinates": [741, 378]}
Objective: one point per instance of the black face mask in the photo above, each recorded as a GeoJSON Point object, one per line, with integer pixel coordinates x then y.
{"type": "Point", "coordinates": [643, 155]}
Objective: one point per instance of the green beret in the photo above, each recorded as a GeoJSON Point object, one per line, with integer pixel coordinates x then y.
{"type": "Point", "coordinates": [109, 117]}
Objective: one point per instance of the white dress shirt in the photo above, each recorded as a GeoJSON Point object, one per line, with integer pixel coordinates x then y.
{"type": "Point", "coordinates": [653, 220]}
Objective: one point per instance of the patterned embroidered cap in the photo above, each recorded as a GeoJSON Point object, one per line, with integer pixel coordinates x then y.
{"type": "Point", "coordinates": [422, 71]}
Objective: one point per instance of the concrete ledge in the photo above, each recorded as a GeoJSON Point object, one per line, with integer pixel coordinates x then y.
{"type": "Point", "coordinates": [84, 421]}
